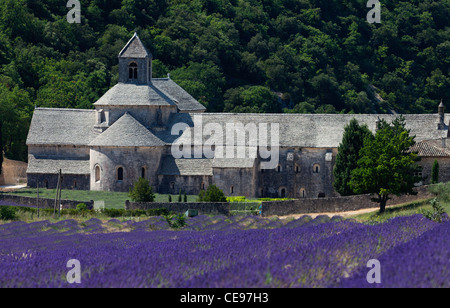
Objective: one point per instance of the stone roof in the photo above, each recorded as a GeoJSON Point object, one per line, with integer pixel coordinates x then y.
{"type": "Point", "coordinates": [128, 94]}
{"type": "Point", "coordinates": [53, 165]}
{"type": "Point", "coordinates": [188, 167]}
{"type": "Point", "coordinates": [245, 163]}
{"type": "Point", "coordinates": [183, 99]}
{"type": "Point", "coordinates": [127, 132]}
{"type": "Point", "coordinates": [62, 127]}
{"type": "Point", "coordinates": [135, 49]}
{"type": "Point", "coordinates": [307, 130]}
{"type": "Point", "coordinates": [431, 148]}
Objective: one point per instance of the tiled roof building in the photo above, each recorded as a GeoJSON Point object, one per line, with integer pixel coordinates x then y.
{"type": "Point", "coordinates": [135, 128]}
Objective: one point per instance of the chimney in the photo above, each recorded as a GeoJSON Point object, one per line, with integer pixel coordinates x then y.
{"type": "Point", "coordinates": [441, 124]}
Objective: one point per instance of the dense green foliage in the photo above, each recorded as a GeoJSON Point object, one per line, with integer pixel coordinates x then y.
{"type": "Point", "coordinates": [212, 194]}
{"type": "Point", "coordinates": [348, 156]}
{"type": "Point", "coordinates": [7, 213]}
{"type": "Point", "coordinates": [296, 56]}
{"type": "Point", "coordinates": [142, 191]}
{"type": "Point", "coordinates": [386, 166]}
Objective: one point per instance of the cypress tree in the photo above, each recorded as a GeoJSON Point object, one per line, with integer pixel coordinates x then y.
{"type": "Point", "coordinates": [1, 146]}
{"type": "Point", "coordinates": [348, 155]}
{"type": "Point", "coordinates": [435, 173]}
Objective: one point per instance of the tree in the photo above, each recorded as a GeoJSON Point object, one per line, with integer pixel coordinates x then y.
{"type": "Point", "coordinates": [387, 166]}
{"type": "Point", "coordinates": [435, 172]}
{"type": "Point", "coordinates": [142, 191]}
{"type": "Point", "coordinates": [214, 194]}
{"type": "Point", "coordinates": [201, 196]}
{"type": "Point", "coordinates": [348, 155]}
{"type": "Point", "coordinates": [1, 146]}
{"type": "Point", "coordinates": [254, 99]}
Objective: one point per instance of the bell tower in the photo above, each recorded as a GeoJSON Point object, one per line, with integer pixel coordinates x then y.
{"type": "Point", "coordinates": [135, 63]}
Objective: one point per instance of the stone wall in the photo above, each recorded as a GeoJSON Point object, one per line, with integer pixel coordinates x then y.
{"type": "Point", "coordinates": [131, 159]}
{"type": "Point", "coordinates": [50, 181]}
{"type": "Point", "coordinates": [204, 208]}
{"type": "Point", "coordinates": [43, 202]}
{"type": "Point", "coordinates": [444, 168]}
{"type": "Point", "coordinates": [335, 205]}
{"type": "Point", "coordinates": [191, 185]}
{"type": "Point", "coordinates": [306, 172]}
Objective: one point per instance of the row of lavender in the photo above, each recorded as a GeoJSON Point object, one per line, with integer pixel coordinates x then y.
{"type": "Point", "coordinates": [413, 252]}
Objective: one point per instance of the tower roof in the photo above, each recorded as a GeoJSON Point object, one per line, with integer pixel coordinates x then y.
{"type": "Point", "coordinates": [127, 132]}
{"type": "Point", "coordinates": [441, 105]}
{"type": "Point", "coordinates": [135, 49]}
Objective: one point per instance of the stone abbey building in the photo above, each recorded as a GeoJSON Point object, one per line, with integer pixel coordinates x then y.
{"type": "Point", "coordinates": [129, 135]}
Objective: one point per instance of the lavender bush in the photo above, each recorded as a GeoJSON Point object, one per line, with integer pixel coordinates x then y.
{"type": "Point", "coordinates": [226, 252]}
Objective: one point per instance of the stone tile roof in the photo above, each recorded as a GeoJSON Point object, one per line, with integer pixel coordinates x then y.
{"type": "Point", "coordinates": [127, 132]}
{"type": "Point", "coordinates": [53, 165]}
{"type": "Point", "coordinates": [135, 49]}
{"type": "Point", "coordinates": [308, 130]}
{"type": "Point", "coordinates": [430, 148]}
{"type": "Point", "coordinates": [128, 94]}
{"type": "Point", "coordinates": [187, 167]}
{"type": "Point", "coordinates": [245, 163]}
{"type": "Point", "coordinates": [183, 99]}
{"type": "Point", "coordinates": [62, 127]}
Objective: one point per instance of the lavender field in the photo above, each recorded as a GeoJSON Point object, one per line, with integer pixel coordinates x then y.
{"type": "Point", "coordinates": [237, 252]}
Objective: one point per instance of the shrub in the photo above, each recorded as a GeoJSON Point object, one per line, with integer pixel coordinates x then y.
{"type": "Point", "coordinates": [442, 191]}
{"type": "Point", "coordinates": [142, 191]}
{"type": "Point", "coordinates": [81, 207]}
{"type": "Point", "coordinates": [185, 198]}
{"type": "Point", "coordinates": [7, 213]}
{"type": "Point", "coordinates": [201, 196]}
{"type": "Point", "coordinates": [214, 194]}
{"type": "Point", "coordinates": [438, 213]}
{"type": "Point", "coordinates": [236, 199]}
{"type": "Point", "coordinates": [176, 221]}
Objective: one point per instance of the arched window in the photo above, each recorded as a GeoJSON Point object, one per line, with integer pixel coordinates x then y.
{"type": "Point", "coordinates": [133, 71]}
{"type": "Point", "coordinates": [279, 168]}
{"type": "Point", "coordinates": [297, 169]}
{"type": "Point", "coordinates": [46, 184]}
{"type": "Point", "coordinates": [97, 174]}
{"type": "Point", "coordinates": [283, 193]}
{"type": "Point", "coordinates": [316, 168]}
{"type": "Point", "coordinates": [120, 174]}
{"type": "Point", "coordinates": [302, 193]}
{"type": "Point", "coordinates": [202, 186]}
{"type": "Point", "coordinates": [143, 173]}
{"type": "Point", "coordinates": [74, 184]}
{"type": "Point", "coordinates": [172, 185]}
{"type": "Point", "coordinates": [232, 189]}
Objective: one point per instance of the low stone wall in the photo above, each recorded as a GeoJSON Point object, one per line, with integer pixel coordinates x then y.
{"type": "Point", "coordinates": [335, 205]}
{"type": "Point", "coordinates": [43, 202]}
{"type": "Point", "coordinates": [203, 208]}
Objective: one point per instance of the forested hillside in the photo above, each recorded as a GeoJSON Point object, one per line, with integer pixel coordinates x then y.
{"type": "Point", "coordinates": [296, 56]}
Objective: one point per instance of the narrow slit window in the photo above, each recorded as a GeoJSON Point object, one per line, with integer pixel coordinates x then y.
{"type": "Point", "coordinates": [120, 174]}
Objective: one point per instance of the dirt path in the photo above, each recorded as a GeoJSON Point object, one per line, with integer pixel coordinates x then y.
{"type": "Point", "coordinates": [342, 214]}
{"type": "Point", "coordinates": [9, 188]}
